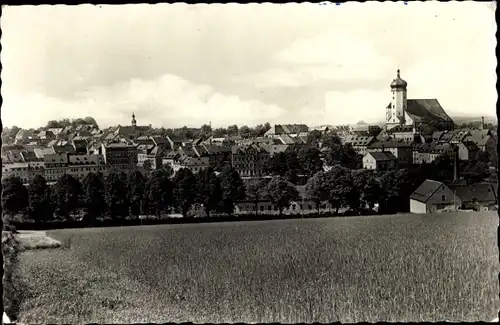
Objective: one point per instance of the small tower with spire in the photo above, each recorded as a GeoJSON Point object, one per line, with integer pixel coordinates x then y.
{"type": "Point", "coordinates": [134, 122]}
{"type": "Point", "coordinates": [396, 113]}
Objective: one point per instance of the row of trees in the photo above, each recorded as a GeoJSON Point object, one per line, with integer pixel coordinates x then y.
{"type": "Point", "coordinates": [206, 131]}
{"type": "Point", "coordinates": [71, 122]}
{"type": "Point", "coordinates": [120, 195]}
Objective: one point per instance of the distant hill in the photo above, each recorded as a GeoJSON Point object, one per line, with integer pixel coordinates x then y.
{"type": "Point", "coordinates": [471, 119]}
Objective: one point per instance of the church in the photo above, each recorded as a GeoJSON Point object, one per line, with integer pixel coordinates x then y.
{"type": "Point", "coordinates": [422, 116]}
{"type": "Point", "coordinates": [133, 131]}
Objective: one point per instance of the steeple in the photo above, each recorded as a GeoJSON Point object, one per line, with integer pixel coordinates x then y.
{"type": "Point", "coordinates": [398, 82]}
{"type": "Point", "coordinates": [134, 122]}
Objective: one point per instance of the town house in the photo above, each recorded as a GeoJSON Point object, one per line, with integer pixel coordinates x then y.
{"type": "Point", "coordinates": [402, 150]}
{"type": "Point", "coordinates": [249, 160]}
{"type": "Point", "coordinates": [383, 160]}
{"type": "Point", "coordinates": [55, 166]}
{"type": "Point", "coordinates": [81, 165]}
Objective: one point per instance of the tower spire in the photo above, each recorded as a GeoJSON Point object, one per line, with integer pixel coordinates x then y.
{"type": "Point", "coordinates": [134, 122]}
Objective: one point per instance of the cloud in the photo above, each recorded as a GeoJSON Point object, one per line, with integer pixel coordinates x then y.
{"type": "Point", "coordinates": [330, 56]}
{"type": "Point", "coordinates": [348, 108]}
{"type": "Point", "coordinates": [168, 101]}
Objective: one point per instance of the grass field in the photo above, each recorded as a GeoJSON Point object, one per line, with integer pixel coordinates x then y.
{"type": "Point", "coordinates": [385, 268]}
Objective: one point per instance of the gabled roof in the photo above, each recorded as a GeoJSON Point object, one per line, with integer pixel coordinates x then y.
{"type": "Point", "coordinates": [55, 131]}
{"type": "Point", "coordinates": [359, 140]}
{"type": "Point", "coordinates": [277, 148]}
{"type": "Point", "coordinates": [29, 156]}
{"type": "Point", "coordinates": [287, 129]}
{"type": "Point", "coordinates": [482, 192]}
{"type": "Point", "coordinates": [176, 139]}
{"type": "Point", "coordinates": [41, 152]}
{"type": "Point", "coordinates": [86, 159]}
{"type": "Point", "coordinates": [391, 143]}
{"type": "Point", "coordinates": [425, 110]}
{"type": "Point", "coordinates": [425, 191]}
{"type": "Point", "coordinates": [441, 148]}
{"type": "Point", "coordinates": [382, 156]}
{"type": "Point", "coordinates": [55, 158]}
{"type": "Point", "coordinates": [286, 139]}
{"type": "Point", "coordinates": [479, 137]}
{"type": "Point", "coordinates": [424, 147]}
{"type": "Point", "coordinates": [243, 149]}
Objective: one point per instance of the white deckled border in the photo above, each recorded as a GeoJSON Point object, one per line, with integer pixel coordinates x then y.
{"type": "Point", "coordinates": [5, 319]}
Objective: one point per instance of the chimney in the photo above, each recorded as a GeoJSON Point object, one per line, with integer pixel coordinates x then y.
{"type": "Point", "coordinates": [482, 122]}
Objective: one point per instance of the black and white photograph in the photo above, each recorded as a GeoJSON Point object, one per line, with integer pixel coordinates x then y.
{"type": "Point", "coordinates": [249, 163]}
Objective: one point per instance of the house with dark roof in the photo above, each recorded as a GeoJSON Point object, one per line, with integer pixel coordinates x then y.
{"type": "Point", "coordinates": [467, 150]}
{"type": "Point", "coordinates": [359, 143]}
{"type": "Point", "coordinates": [55, 166]}
{"type": "Point", "coordinates": [194, 164]}
{"type": "Point", "coordinates": [290, 129]}
{"type": "Point", "coordinates": [249, 160]}
{"type": "Point", "coordinates": [401, 149]}
{"type": "Point", "coordinates": [176, 141]}
{"type": "Point", "coordinates": [380, 161]}
{"type": "Point", "coordinates": [23, 136]}
{"type": "Point", "coordinates": [433, 196]}
{"type": "Point", "coordinates": [422, 153]}
{"type": "Point", "coordinates": [80, 165]}
{"type": "Point", "coordinates": [483, 139]}
{"type": "Point", "coordinates": [478, 197]}
{"type": "Point", "coordinates": [442, 149]}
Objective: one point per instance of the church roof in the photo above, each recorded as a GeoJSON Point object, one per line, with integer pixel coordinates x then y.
{"type": "Point", "coordinates": [425, 110]}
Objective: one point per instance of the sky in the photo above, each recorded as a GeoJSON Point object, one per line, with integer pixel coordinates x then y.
{"type": "Point", "coordinates": [179, 64]}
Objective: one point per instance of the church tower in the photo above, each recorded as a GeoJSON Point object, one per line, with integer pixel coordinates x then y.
{"type": "Point", "coordinates": [134, 122]}
{"type": "Point", "coordinates": [396, 111]}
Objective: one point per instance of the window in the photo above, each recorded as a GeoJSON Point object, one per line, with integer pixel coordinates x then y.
{"type": "Point", "coordinates": [261, 208]}
{"type": "Point", "coordinates": [443, 197]}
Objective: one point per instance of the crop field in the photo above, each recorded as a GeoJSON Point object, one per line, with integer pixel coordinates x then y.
{"type": "Point", "coordinates": [384, 268]}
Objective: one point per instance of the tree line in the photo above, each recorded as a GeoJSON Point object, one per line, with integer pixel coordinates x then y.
{"type": "Point", "coordinates": [206, 131]}
{"type": "Point", "coordinates": [122, 195]}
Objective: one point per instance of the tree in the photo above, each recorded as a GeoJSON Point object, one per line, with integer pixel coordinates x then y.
{"type": "Point", "coordinates": [94, 196]}
{"type": "Point", "coordinates": [232, 130]}
{"type": "Point", "coordinates": [67, 193]}
{"type": "Point", "coordinates": [314, 137]}
{"type": "Point", "coordinates": [316, 189]}
{"type": "Point", "coordinates": [233, 189]}
{"type": "Point", "coordinates": [206, 130]}
{"type": "Point", "coordinates": [208, 189]}
{"type": "Point", "coordinates": [281, 193]}
{"type": "Point", "coordinates": [14, 195]}
{"type": "Point", "coordinates": [256, 192]}
{"type": "Point", "coordinates": [159, 191]}
{"type": "Point", "coordinates": [90, 121]}
{"type": "Point", "coordinates": [370, 187]}
{"type": "Point", "coordinates": [339, 186]}
{"type": "Point", "coordinates": [136, 190]}
{"type": "Point", "coordinates": [184, 190]}
{"type": "Point", "coordinates": [310, 161]}
{"type": "Point", "coordinates": [40, 207]}
{"type": "Point", "coordinates": [147, 167]}
{"type": "Point", "coordinates": [244, 131]}
{"type": "Point", "coordinates": [285, 164]}
{"type": "Point", "coordinates": [116, 196]}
